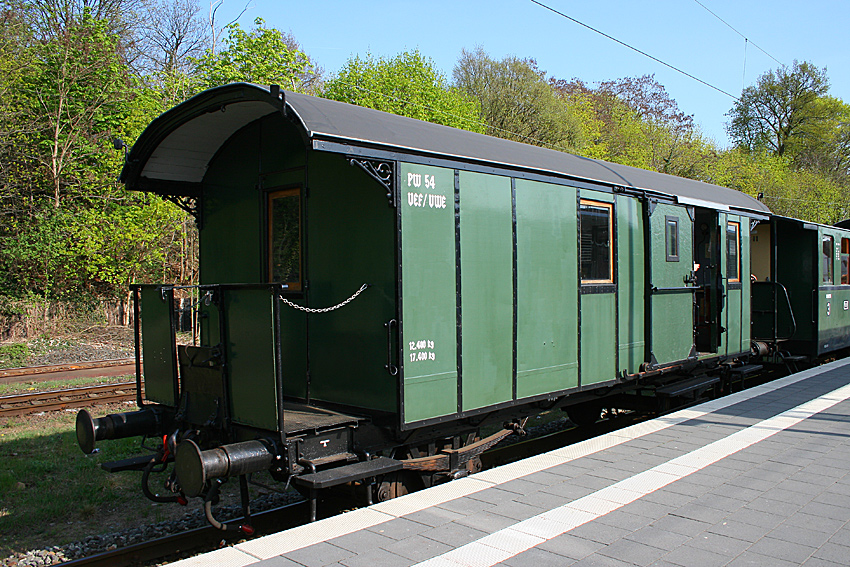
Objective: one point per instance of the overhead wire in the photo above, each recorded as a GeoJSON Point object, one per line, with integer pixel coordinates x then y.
{"type": "Point", "coordinates": [624, 44]}
{"type": "Point", "coordinates": [746, 39]}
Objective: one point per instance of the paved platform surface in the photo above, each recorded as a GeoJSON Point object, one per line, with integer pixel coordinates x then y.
{"type": "Point", "coordinates": [761, 477]}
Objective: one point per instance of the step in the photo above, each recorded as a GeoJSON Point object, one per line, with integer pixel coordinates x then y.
{"type": "Point", "coordinates": [746, 369]}
{"type": "Point", "coordinates": [349, 473]}
{"type": "Point", "coordinates": [131, 464]}
{"type": "Point", "coordinates": [687, 386]}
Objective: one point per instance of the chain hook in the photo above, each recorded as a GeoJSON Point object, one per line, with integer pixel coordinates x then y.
{"type": "Point", "coordinates": [325, 309]}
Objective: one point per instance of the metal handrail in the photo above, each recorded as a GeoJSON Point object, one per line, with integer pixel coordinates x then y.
{"type": "Point", "coordinates": [776, 308]}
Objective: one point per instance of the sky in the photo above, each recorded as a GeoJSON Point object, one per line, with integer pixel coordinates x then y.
{"type": "Point", "coordinates": [681, 33]}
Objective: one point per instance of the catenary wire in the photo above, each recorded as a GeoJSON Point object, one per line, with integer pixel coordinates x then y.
{"type": "Point", "coordinates": [645, 54]}
{"type": "Point", "coordinates": [746, 39]}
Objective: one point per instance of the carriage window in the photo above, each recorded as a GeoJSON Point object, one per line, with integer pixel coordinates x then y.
{"type": "Point", "coordinates": [597, 260]}
{"type": "Point", "coordinates": [285, 238]}
{"type": "Point", "coordinates": [845, 261]}
{"type": "Point", "coordinates": [672, 238]}
{"type": "Point", "coordinates": [733, 251]}
{"type": "Point", "coordinates": [827, 252]}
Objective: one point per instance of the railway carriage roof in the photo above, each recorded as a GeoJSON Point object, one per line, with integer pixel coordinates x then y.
{"type": "Point", "coordinates": [172, 154]}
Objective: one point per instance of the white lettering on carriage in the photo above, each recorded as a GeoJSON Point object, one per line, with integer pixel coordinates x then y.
{"type": "Point", "coordinates": [421, 350]}
{"type": "Point", "coordinates": [426, 200]}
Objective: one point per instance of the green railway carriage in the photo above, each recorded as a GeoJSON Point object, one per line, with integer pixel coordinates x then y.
{"type": "Point", "coordinates": [376, 285]}
{"type": "Point", "coordinates": [801, 292]}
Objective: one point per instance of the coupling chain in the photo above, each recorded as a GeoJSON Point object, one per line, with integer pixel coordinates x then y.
{"type": "Point", "coordinates": [324, 309]}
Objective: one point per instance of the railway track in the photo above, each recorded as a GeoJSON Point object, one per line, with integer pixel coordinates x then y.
{"type": "Point", "coordinates": [196, 540]}
{"type": "Point", "coordinates": [23, 404]}
{"type": "Point", "coordinates": [94, 369]}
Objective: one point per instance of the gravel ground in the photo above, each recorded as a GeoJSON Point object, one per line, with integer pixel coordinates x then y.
{"type": "Point", "coordinates": [99, 343]}
{"type": "Point", "coordinates": [106, 542]}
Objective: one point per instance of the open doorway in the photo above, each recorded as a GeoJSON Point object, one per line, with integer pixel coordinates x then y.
{"type": "Point", "coordinates": [708, 299]}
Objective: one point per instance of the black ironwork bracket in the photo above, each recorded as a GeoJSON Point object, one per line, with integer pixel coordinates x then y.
{"type": "Point", "coordinates": [380, 171]}
{"type": "Point", "coordinates": [191, 205]}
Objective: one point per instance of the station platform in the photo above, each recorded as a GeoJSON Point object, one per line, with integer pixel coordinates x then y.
{"type": "Point", "coordinates": [760, 477]}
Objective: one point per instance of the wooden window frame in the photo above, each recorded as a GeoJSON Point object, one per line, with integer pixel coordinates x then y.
{"type": "Point", "coordinates": [270, 197]}
{"type": "Point", "coordinates": [610, 209]}
{"type": "Point", "coordinates": [737, 226]}
{"type": "Point", "coordinates": [845, 260]}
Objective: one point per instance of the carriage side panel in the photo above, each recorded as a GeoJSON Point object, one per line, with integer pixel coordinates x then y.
{"type": "Point", "coordinates": [350, 241]}
{"type": "Point", "coordinates": [429, 292]}
{"type": "Point", "coordinates": [486, 267]}
{"type": "Point", "coordinates": [547, 288]}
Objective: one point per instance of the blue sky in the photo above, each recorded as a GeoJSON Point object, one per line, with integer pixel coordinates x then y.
{"type": "Point", "coordinates": [679, 32]}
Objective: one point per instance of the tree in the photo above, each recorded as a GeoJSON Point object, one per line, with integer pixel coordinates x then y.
{"type": "Point", "coordinates": [169, 32]}
{"type": "Point", "coordinates": [517, 102]}
{"type": "Point", "coordinates": [634, 121]}
{"type": "Point", "coordinates": [783, 112]}
{"type": "Point", "coordinates": [408, 85]}
{"type": "Point", "coordinates": [15, 121]}
{"type": "Point", "coordinates": [260, 56]}
{"type": "Point", "coordinates": [77, 95]}
{"type": "Point", "coordinates": [829, 152]}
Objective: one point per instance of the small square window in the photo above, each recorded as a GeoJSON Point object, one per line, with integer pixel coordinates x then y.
{"type": "Point", "coordinates": [597, 250]}
{"type": "Point", "coordinates": [827, 253]}
{"type": "Point", "coordinates": [733, 251]}
{"type": "Point", "coordinates": [285, 238]}
{"type": "Point", "coordinates": [671, 236]}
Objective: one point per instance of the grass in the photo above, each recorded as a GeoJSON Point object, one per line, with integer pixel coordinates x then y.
{"type": "Point", "coordinates": [47, 486]}
{"type": "Point", "coordinates": [14, 355]}
{"type": "Point", "coordinates": [53, 494]}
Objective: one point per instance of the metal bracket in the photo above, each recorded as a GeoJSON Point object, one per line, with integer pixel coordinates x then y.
{"type": "Point", "coordinates": [191, 205]}
{"type": "Point", "coordinates": [380, 171]}
{"type": "Point", "coordinates": [653, 362]}
{"type": "Point", "coordinates": [650, 208]}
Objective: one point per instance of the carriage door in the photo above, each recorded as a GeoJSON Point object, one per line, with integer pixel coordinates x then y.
{"type": "Point", "coordinates": [709, 298]}
{"type": "Point", "coordinates": [671, 280]}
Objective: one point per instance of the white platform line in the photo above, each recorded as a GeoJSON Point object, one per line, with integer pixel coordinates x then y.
{"type": "Point", "coordinates": [554, 523]}
{"type": "Point", "coordinates": [350, 522]}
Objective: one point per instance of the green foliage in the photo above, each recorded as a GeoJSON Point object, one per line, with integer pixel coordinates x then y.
{"type": "Point", "coordinates": [37, 259]}
{"type": "Point", "coordinates": [14, 355]}
{"type": "Point", "coordinates": [119, 244]}
{"type": "Point", "coordinates": [633, 121]}
{"type": "Point", "coordinates": [260, 56]}
{"type": "Point", "coordinates": [77, 93]}
{"type": "Point", "coordinates": [69, 230]}
{"type": "Point", "coordinates": [71, 79]}
{"type": "Point", "coordinates": [407, 85]}
{"type": "Point", "coordinates": [784, 111]}
{"type": "Point", "coordinates": [787, 190]}
{"type": "Point", "coordinates": [516, 101]}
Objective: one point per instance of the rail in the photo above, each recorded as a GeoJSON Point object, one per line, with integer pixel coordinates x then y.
{"type": "Point", "coordinates": [85, 369]}
{"type": "Point", "coordinates": [23, 404]}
